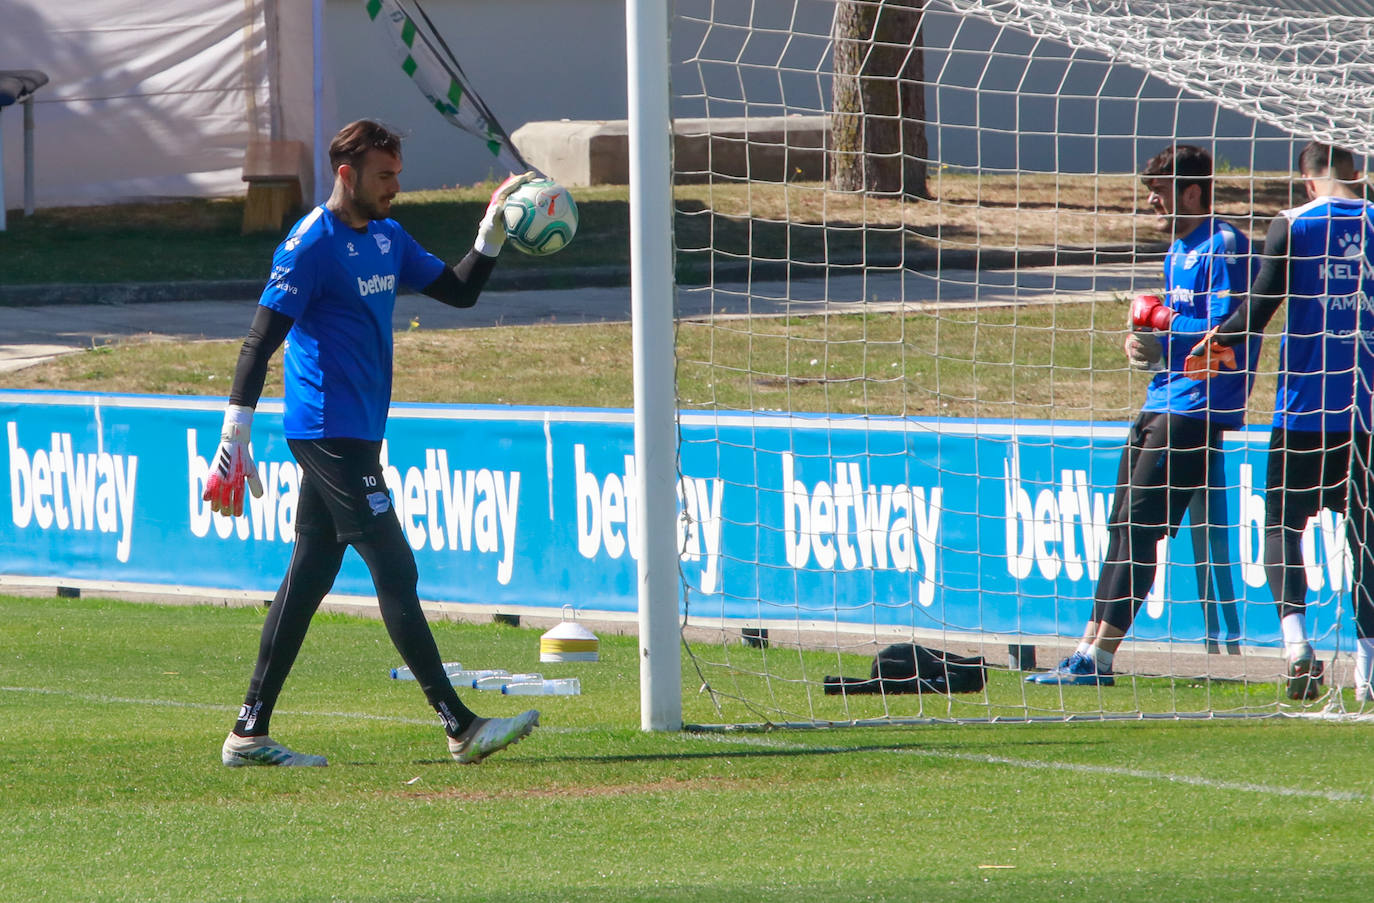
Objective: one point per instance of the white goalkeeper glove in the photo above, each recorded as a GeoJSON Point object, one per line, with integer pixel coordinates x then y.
{"type": "Point", "coordinates": [233, 464]}
{"type": "Point", "coordinates": [491, 233]}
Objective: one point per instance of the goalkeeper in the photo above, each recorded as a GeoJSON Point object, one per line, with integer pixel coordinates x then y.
{"type": "Point", "coordinates": [1172, 444]}
{"type": "Point", "coordinates": [330, 296]}
{"type": "Point", "coordinates": [1320, 258]}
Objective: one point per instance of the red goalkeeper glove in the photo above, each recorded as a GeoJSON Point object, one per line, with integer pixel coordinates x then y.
{"type": "Point", "coordinates": [1150, 312]}
{"type": "Point", "coordinates": [491, 232]}
{"type": "Point", "coordinates": [1208, 358]}
{"type": "Point", "coordinates": [233, 464]}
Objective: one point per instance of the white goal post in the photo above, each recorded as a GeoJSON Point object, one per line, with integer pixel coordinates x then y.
{"type": "Point", "coordinates": [908, 230]}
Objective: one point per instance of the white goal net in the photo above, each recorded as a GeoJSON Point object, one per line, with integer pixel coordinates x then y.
{"type": "Point", "coordinates": [905, 235]}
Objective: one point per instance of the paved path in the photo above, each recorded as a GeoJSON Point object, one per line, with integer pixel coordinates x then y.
{"type": "Point", "coordinates": [29, 335]}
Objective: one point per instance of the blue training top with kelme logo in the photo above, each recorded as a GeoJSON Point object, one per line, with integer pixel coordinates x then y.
{"type": "Point", "coordinates": [339, 286]}
{"type": "Point", "coordinates": [1326, 365]}
{"type": "Point", "coordinates": [1206, 276]}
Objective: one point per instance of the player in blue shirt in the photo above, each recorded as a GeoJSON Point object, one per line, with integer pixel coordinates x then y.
{"type": "Point", "coordinates": [1174, 442]}
{"type": "Point", "coordinates": [1319, 258]}
{"type": "Point", "coordinates": [330, 297]}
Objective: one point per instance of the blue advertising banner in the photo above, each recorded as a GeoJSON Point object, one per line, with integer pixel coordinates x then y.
{"type": "Point", "coordinates": [994, 527]}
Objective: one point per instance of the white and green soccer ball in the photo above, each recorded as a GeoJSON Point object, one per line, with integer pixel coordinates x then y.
{"type": "Point", "coordinates": [541, 217]}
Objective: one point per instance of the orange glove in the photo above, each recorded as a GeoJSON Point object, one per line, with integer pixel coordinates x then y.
{"type": "Point", "coordinates": [1208, 358]}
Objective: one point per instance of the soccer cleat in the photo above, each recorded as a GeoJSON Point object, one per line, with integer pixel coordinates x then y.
{"type": "Point", "coordinates": [488, 735]}
{"type": "Point", "coordinates": [1079, 671]}
{"type": "Point", "coordinates": [1033, 678]}
{"type": "Point", "coordinates": [1305, 678]}
{"type": "Point", "coordinates": [263, 751]}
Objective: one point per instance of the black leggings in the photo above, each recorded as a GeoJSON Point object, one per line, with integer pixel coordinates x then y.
{"type": "Point", "coordinates": [1165, 462]}
{"type": "Point", "coordinates": [1308, 471]}
{"type": "Point", "coordinates": [315, 563]}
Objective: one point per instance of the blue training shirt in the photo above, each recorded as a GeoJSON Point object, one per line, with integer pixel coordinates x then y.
{"type": "Point", "coordinates": [339, 285]}
{"type": "Point", "coordinates": [1325, 364]}
{"type": "Point", "coordinates": [1206, 275]}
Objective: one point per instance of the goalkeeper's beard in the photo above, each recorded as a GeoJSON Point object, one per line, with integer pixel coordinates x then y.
{"type": "Point", "coordinates": [372, 208]}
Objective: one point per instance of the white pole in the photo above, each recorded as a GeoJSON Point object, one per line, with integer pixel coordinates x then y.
{"type": "Point", "coordinates": [652, 300]}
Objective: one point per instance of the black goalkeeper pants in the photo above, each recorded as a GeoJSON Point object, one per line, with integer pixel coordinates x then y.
{"type": "Point", "coordinates": [1165, 462]}
{"type": "Point", "coordinates": [341, 505]}
{"type": "Point", "coordinates": [1308, 471]}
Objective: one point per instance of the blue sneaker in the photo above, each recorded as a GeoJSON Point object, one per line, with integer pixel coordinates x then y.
{"type": "Point", "coordinates": [1035, 678]}
{"type": "Point", "coordinates": [1079, 671]}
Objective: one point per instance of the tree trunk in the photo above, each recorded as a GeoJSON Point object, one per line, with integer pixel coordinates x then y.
{"type": "Point", "coordinates": [877, 123]}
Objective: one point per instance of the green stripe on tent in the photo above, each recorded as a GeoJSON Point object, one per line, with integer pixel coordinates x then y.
{"type": "Point", "coordinates": [455, 92]}
{"type": "Point", "coordinates": [494, 147]}
{"type": "Point", "coordinates": [410, 65]}
{"type": "Point", "coordinates": [408, 33]}
{"type": "Point", "coordinates": [373, 7]}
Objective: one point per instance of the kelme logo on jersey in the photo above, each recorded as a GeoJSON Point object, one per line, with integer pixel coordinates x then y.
{"type": "Point", "coordinates": [1357, 266]}
{"type": "Point", "coordinates": [378, 283]}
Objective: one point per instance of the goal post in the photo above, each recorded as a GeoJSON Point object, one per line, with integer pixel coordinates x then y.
{"type": "Point", "coordinates": [652, 300]}
{"type": "Point", "coordinates": [901, 270]}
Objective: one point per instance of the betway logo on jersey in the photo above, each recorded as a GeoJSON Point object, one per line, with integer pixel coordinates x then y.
{"type": "Point", "coordinates": [850, 524]}
{"type": "Point", "coordinates": [377, 283]}
{"type": "Point", "coordinates": [69, 489]}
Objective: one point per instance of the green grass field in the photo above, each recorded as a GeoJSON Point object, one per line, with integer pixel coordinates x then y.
{"type": "Point", "coordinates": [111, 714]}
{"type": "Point", "coordinates": [111, 787]}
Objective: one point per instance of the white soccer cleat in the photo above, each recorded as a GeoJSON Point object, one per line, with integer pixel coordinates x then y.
{"type": "Point", "coordinates": [239, 751]}
{"type": "Point", "coordinates": [488, 735]}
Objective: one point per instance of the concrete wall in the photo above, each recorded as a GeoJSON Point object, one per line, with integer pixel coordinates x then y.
{"type": "Point", "coordinates": [528, 59]}
{"type": "Point", "coordinates": [549, 60]}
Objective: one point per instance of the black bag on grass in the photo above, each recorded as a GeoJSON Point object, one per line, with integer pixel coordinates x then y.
{"type": "Point", "coordinates": [909, 668]}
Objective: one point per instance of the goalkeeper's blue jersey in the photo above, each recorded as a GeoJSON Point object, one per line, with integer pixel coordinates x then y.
{"type": "Point", "coordinates": [1206, 276]}
{"type": "Point", "coordinates": [339, 285]}
{"type": "Point", "coordinates": [1326, 365]}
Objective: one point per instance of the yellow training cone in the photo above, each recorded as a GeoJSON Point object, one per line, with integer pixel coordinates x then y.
{"type": "Point", "coordinates": [569, 641]}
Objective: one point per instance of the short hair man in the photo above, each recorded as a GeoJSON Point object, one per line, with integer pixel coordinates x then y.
{"type": "Point", "coordinates": [1172, 444]}
{"type": "Point", "coordinates": [332, 291]}
{"type": "Point", "coordinates": [1319, 257]}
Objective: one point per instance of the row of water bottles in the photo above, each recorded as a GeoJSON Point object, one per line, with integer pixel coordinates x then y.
{"type": "Point", "coordinates": [528, 684]}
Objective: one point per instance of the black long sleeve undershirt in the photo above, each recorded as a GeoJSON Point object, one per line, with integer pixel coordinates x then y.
{"type": "Point", "coordinates": [459, 285]}
{"type": "Point", "coordinates": [1267, 293]}
{"type": "Point", "coordinates": [456, 286]}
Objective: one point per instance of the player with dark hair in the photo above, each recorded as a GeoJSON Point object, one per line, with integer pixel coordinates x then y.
{"type": "Point", "coordinates": [330, 297]}
{"type": "Point", "coordinates": [1320, 258]}
{"type": "Point", "coordinates": [1175, 441]}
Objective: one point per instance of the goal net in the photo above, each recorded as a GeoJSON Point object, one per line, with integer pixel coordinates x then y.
{"type": "Point", "coordinates": [906, 234]}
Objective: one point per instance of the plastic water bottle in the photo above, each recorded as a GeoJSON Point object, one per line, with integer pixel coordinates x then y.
{"type": "Point", "coordinates": [498, 681]}
{"type": "Point", "coordinates": [466, 678]}
{"type": "Point", "coordinates": [562, 686]}
{"type": "Point", "coordinates": [404, 673]}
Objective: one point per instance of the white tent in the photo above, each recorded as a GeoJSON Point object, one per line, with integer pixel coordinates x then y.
{"type": "Point", "coordinates": [159, 99]}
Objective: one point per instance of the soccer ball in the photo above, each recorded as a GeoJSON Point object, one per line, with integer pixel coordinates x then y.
{"type": "Point", "coordinates": [541, 217]}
